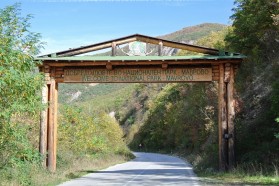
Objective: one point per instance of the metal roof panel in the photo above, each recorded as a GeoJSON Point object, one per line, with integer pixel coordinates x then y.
{"type": "Point", "coordinates": [135, 58]}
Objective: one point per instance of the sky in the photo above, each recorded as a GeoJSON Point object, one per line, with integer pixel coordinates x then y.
{"type": "Point", "coordinates": [66, 24]}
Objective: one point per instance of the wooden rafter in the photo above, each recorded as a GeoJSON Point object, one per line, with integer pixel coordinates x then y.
{"type": "Point", "coordinates": [131, 38]}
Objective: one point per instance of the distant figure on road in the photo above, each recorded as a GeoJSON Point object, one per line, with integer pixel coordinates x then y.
{"type": "Point", "coordinates": [140, 147]}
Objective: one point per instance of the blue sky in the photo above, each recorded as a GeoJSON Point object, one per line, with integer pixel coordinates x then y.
{"type": "Point", "coordinates": [67, 24]}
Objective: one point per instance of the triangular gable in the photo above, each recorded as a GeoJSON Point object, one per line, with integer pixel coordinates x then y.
{"type": "Point", "coordinates": [136, 37]}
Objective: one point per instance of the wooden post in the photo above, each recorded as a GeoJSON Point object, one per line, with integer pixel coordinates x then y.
{"type": "Point", "coordinates": [52, 126]}
{"type": "Point", "coordinates": [160, 48]}
{"type": "Point", "coordinates": [222, 121]}
{"type": "Point", "coordinates": [113, 49]}
{"type": "Point", "coordinates": [44, 124]}
{"type": "Point", "coordinates": [231, 115]}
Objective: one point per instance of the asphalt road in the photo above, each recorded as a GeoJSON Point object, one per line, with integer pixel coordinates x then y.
{"type": "Point", "coordinates": [147, 169]}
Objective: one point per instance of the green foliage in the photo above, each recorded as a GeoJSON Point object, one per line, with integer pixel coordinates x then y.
{"type": "Point", "coordinates": [255, 125]}
{"type": "Point", "coordinates": [255, 33]}
{"type": "Point", "coordinates": [179, 119]}
{"type": "Point", "coordinates": [88, 91]}
{"type": "Point", "coordinates": [19, 85]}
{"type": "Point", "coordinates": [255, 24]}
{"type": "Point", "coordinates": [85, 134]}
{"type": "Point", "coordinates": [105, 97]}
{"type": "Point", "coordinates": [133, 112]}
{"type": "Point", "coordinates": [277, 135]}
{"type": "Point", "coordinates": [275, 102]}
{"type": "Point", "coordinates": [194, 33]}
{"type": "Point", "coordinates": [215, 39]}
{"type": "Point", "coordinates": [275, 95]}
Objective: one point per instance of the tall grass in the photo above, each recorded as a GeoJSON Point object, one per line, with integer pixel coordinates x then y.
{"type": "Point", "coordinates": [246, 173]}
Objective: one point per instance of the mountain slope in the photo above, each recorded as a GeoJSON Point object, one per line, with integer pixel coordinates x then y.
{"type": "Point", "coordinates": [193, 33]}
{"type": "Point", "coordinates": [84, 92]}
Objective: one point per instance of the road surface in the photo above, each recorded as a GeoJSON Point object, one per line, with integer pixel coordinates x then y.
{"type": "Point", "coordinates": [147, 169]}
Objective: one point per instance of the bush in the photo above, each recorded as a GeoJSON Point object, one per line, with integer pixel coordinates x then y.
{"type": "Point", "coordinates": [89, 134]}
{"type": "Point", "coordinates": [19, 98]}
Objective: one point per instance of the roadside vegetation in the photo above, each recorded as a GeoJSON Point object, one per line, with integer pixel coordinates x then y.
{"type": "Point", "coordinates": [86, 142]}
{"type": "Point", "coordinates": [182, 118]}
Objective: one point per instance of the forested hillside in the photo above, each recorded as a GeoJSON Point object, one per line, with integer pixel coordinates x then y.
{"type": "Point", "coordinates": [257, 37]}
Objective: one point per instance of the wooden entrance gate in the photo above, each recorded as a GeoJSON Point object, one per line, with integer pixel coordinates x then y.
{"type": "Point", "coordinates": [212, 65]}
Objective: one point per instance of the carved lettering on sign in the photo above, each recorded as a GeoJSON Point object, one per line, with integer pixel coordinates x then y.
{"type": "Point", "coordinates": [137, 75]}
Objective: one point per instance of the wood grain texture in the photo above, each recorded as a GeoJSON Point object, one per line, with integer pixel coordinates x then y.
{"type": "Point", "coordinates": [52, 126]}
{"type": "Point", "coordinates": [43, 124]}
{"type": "Point", "coordinates": [137, 75]}
{"type": "Point", "coordinates": [231, 116]}
{"type": "Point", "coordinates": [160, 48]}
{"type": "Point", "coordinates": [222, 121]}
{"type": "Point", "coordinates": [86, 63]}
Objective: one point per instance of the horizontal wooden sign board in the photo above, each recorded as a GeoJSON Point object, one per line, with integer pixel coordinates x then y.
{"type": "Point", "coordinates": [137, 75]}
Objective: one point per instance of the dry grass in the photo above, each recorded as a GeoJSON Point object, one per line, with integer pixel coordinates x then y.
{"type": "Point", "coordinates": [249, 174]}
{"type": "Point", "coordinates": [74, 168]}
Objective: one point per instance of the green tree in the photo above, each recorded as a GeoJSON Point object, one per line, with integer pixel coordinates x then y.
{"type": "Point", "coordinates": [277, 135]}
{"type": "Point", "coordinates": [255, 33]}
{"type": "Point", "coordinates": [255, 24]}
{"type": "Point", "coordinates": [19, 84]}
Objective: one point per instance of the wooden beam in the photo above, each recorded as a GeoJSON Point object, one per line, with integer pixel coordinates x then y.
{"type": "Point", "coordinates": [65, 63]}
{"type": "Point", "coordinates": [43, 124]}
{"type": "Point", "coordinates": [227, 72]}
{"type": "Point", "coordinates": [214, 78]}
{"type": "Point", "coordinates": [222, 121]}
{"type": "Point", "coordinates": [109, 66]}
{"type": "Point", "coordinates": [52, 72]}
{"type": "Point", "coordinates": [182, 46]}
{"type": "Point", "coordinates": [55, 125]}
{"type": "Point", "coordinates": [140, 75]}
{"type": "Point", "coordinates": [59, 80]}
{"type": "Point", "coordinates": [160, 48]}
{"type": "Point", "coordinates": [135, 37]}
{"type": "Point", "coordinates": [231, 116]}
{"type": "Point", "coordinates": [113, 49]}
{"type": "Point", "coordinates": [52, 126]}
{"type": "Point", "coordinates": [215, 67]}
{"type": "Point", "coordinates": [91, 48]}
{"type": "Point", "coordinates": [164, 66]}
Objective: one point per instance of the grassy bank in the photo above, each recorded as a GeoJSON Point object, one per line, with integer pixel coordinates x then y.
{"type": "Point", "coordinates": [77, 167]}
{"type": "Point", "coordinates": [69, 168]}
{"type": "Point", "coordinates": [243, 174]}
{"type": "Point", "coordinates": [237, 177]}
{"type": "Point", "coordinates": [250, 173]}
